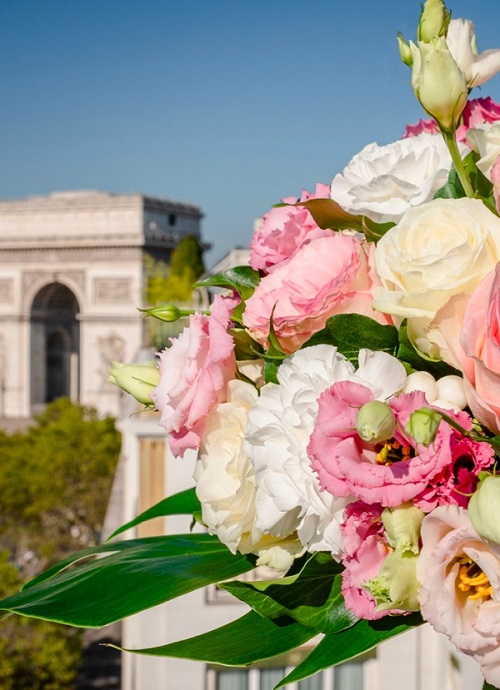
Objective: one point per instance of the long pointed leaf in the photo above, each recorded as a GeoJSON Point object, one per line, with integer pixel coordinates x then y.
{"type": "Point", "coordinates": [312, 597]}
{"type": "Point", "coordinates": [183, 503]}
{"type": "Point", "coordinates": [339, 647]}
{"type": "Point", "coordinates": [131, 577]}
{"type": "Point", "coordinates": [244, 641]}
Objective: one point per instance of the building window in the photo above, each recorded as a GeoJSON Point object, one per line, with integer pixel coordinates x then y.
{"type": "Point", "coordinates": [172, 219]}
{"type": "Point", "coordinates": [355, 675]}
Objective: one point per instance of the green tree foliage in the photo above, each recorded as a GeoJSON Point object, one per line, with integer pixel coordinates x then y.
{"type": "Point", "coordinates": [55, 481]}
{"type": "Point", "coordinates": [174, 283]}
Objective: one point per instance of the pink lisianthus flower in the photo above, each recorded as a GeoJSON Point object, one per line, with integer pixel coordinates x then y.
{"type": "Point", "coordinates": [283, 229]}
{"type": "Point", "coordinates": [327, 276]}
{"type": "Point", "coordinates": [467, 330]}
{"type": "Point", "coordinates": [389, 473]}
{"type": "Point", "coordinates": [194, 372]}
{"type": "Point", "coordinates": [467, 613]}
{"type": "Point", "coordinates": [456, 482]}
{"type": "Point", "coordinates": [477, 111]}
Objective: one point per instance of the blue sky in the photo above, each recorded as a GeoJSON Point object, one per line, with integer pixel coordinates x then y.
{"type": "Point", "coordinates": [224, 103]}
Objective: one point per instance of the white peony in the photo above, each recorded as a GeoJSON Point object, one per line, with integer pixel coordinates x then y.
{"type": "Point", "coordinates": [439, 249]}
{"type": "Point", "coordinates": [382, 182]}
{"type": "Point", "coordinates": [485, 139]}
{"type": "Point", "coordinates": [279, 427]}
{"type": "Point", "coordinates": [225, 483]}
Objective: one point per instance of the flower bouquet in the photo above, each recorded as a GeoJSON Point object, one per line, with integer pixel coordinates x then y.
{"type": "Point", "coordinates": [343, 399]}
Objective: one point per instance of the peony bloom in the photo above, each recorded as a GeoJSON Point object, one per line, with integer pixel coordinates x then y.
{"type": "Point", "coordinates": [460, 587]}
{"type": "Point", "coordinates": [461, 41]}
{"type": "Point", "coordinates": [389, 473]}
{"type": "Point", "coordinates": [327, 276]}
{"type": "Point", "coordinates": [289, 498]}
{"type": "Point", "coordinates": [382, 182]}
{"type": "Point", "coordinates": [467, 331]}
{"type": "Point", "coordinates": [194, 372]}
{"type": "Point", "coordinates": [437, 250]}
{"type": "Point", "coordinates": [283, 229]}
{"type": "Point", "coordinates": [225, 483]}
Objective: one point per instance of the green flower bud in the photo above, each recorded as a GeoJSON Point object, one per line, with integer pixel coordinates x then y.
{"type": "Point", "coordinates": [405, 51]}
{"type": "Point", "coordinates": [137, 379]}
{"type": "Point", "coordinates": [396, 585]}
{"type": "Point", "coordinates": [438, 82]}
{"type": "Point", "coordinates": [402, 527]}
{"type": "Point", "coordinates": [423, 425]}
{"type": "Point", "coordinates": [434, 20]}
{"type": "Point", "coordinates": [166, 312]}
{"type": "Point", "coordinates": [484, 508]}
{"type": "Point", "coordinates": [375, 422]}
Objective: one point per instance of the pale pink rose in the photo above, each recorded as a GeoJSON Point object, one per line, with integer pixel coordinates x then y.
{"type": "Point", "coordinates": [348, 465]}
{"type": "Point", "coordinates": [284, 229]}
{"type": "Point", "coordinates": [467, 331]}
{"type": "Point", "coordinates": [476, 112]}
{"type": "Point", "coordinates": [450, 545]}
{"type": "Point", "coordinates": [495, 178]}
{"type": "Point", "coordinates": [327, 276]}
{"type": "Point", "coordinates": [194, 372]}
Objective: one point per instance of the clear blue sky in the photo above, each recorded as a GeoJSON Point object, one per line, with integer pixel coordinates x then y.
{"type": "Point", "coordinates": [229, 104]}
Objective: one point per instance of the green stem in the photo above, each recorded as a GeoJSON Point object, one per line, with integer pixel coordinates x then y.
{"type": "Point", "coordinates": [451, 143]}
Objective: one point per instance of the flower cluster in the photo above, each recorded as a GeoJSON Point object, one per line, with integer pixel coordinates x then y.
{"type": "Point", "coordinates": [343, 395]}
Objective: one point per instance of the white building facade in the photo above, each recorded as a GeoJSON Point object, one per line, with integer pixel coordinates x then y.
{"type": "Point", "coordinates": [72, 275]}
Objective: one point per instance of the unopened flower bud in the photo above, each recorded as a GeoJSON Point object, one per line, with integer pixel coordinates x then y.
{"type": "Point", "coordinates": [402, 527]}
{"type": "Point", "coordinates": [396, 585]}
{"type": "Point", "coordinates": [375, 422]}
{"type": "Point", "coordinates": [166, 312]}
{"type": "Point", "coordinates": [137, 379]}
{"type": "Point", "coordinates": [423, 425]}
{"type": "Point", "coordinates": [404, 51]}
{"type": "Point", "coordinates": [484, 508]}
{"type": "Point", "coordinates": [434, 20]}
{"type": "Point", "coordinates": [422, 381]}
{"type": "Point", "coordinates": [438, 82]}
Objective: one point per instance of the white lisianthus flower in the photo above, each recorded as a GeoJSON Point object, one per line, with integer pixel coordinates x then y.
{"type": "Point", "coordinates": [278, 432]}
{"type": "Point", "coordinates": [437, 250]}
{"type": "Point", "coordinates": [485, 139]}
{"type": "Point", "coordinates": [225, 483]}
{"type": "Point", "coordinates": [461, 41]}
{"type": "Point", "coordinates": [382, 182]}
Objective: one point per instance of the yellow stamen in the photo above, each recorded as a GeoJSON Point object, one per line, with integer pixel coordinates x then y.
{"type": "Point", "coordinates": [469, 579]}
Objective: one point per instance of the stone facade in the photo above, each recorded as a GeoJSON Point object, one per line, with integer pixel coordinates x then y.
{"type": "Point", "coordinates": [72, 275]}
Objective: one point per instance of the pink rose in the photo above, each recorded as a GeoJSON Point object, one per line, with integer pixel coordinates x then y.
{"type": "Point", "coordinates": [476, 112]}
{"type": "Point", "coordinates": [284, 229]}
{"type": "Point", "coordinates": [194, 372]}
{"type": "Point", "coordinates": [460, 587]}
{"type": "Point", "coordinates": [389, 474]}
{"type": "Point", "coordinates": [327, 276]}
{"type": "Point", "coordinates": [468, 333]}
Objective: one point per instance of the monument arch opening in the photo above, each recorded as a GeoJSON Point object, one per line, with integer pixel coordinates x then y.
{"type": "Point", "coordinates": [54, 345]}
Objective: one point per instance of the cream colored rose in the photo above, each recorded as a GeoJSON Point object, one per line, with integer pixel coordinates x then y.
{"type": "Point", "coordinates": [225, 484]}
{"type": "Point", "coordinates": [437, 250]}
{"type": "Point", "coordinates": [485, 139]}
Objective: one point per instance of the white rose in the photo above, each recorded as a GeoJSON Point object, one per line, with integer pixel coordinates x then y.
{"type": "Point", "coordinates": [225, 483]}
{"type": "Point", "coordinates": [382, 182]}
{"type": "Point", "coordinates": [439, 249]}
{"type": "Point", "coordinates": [485, 139]}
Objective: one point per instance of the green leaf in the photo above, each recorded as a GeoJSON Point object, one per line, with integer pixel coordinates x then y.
{"type": "Point", "coordinates": [245, 347]}
{"type": "Point", "coordinates": [339, 647]}
{"type": "Point", "coordinates": [243, 279]}
{"type": "Point", "coordinates": [244, 641]}
{"type": "Point", "coordinates": [312, 597]}
{"type": "Point", "coordinates": [406, 352]}
{"type": "Point", "coordinates": [270, 372]}
{"type": "Point", "coordinates": [183, 503]}
{"type": "Point", "coordinates": [488, 686]}
{"type": "Point", "coordinates": [129, 577]}
{"type": "Point", "coordinates": [351, 332]}
{"type": "Point", "coordinates": [328, 214]}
